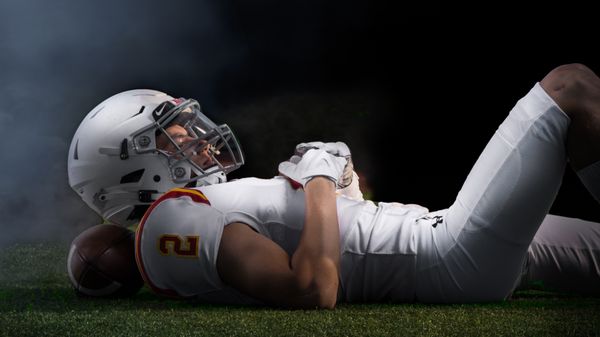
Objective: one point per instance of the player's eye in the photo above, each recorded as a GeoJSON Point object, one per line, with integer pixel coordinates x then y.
{"type": "Point", "coordinates": [179, 139]}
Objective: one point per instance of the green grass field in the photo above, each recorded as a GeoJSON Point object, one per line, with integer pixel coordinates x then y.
{"type": "Point", "coordinates": [36, 300]}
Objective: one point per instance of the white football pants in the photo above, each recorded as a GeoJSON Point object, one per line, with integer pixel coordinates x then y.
{"type": "Point", "coordinates": [477, 250]}
{"type": "Point", "coordinates": [564, 256]}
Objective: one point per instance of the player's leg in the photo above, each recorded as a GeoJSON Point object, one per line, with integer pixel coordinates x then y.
{"type": "Point", "coordinates": [565, 252]}
{"type": "Point", "coordinates": [576, 89]}
{"type": "Point", "coordinates": [476, 254]}
{"type": "Point", "coordinates": [581, 97]}
{"type": "Point", "coordinates": [564, 256]}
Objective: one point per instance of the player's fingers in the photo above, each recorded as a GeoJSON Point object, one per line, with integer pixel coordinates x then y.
{"type": "Point", "coordinates": [287, 169]}
{"type": "Point", "coordinates": [284, 166]}
{"type": "Point", "coordinates": [295, 159]}
{"type": "Point", "coordinates": [341, 163]}
{"type": "Point", "coordinates": [343, 149]}
{"type": "Point", "coordinates": [347, 175]}
{"type": "Point", "coordinates": [314, 145]}
{"type": "Point", "coordinates": [339, 149]}
{"type": "Point", "coordinates": [302, 148]}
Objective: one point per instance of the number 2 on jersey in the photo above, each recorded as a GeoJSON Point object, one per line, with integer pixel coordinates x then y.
{"type": "Point", "coordinates": [180, 246]}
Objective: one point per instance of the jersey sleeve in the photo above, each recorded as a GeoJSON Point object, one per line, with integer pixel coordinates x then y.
{"type": "Point", "coordinates": [177, 243]}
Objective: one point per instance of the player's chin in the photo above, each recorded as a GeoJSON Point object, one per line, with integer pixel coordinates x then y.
{"type": "Point", "coordinates": [203, 160]}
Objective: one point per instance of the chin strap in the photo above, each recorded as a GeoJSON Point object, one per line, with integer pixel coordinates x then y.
{"type": "Point", "coordinates": [211, 179]}
{"type": "Point", "coordinates": [145, 196]}
{"type": "Point", "coordinates": [148, 196]}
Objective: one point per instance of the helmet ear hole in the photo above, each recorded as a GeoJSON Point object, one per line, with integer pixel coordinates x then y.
{"type": "Point", "coordinates": [156, 178]}
{"type": "Point", "coordinates": [132, 177]}
{"type": "Point", "coordinates": [137, 212]}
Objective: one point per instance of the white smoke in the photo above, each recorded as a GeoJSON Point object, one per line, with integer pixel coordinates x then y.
{"type": "Point", "coordinates": [61, 58]}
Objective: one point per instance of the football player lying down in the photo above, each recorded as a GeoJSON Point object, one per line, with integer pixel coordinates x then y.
{"type": "Point", "coordinates": [291, 241]}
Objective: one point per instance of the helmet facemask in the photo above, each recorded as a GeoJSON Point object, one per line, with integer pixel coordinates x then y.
{"type": "Point", "coordinates": [194, 146]}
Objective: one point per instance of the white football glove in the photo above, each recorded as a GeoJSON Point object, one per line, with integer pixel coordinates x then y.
{"type": "Point", "coordinates": [352, 191]}
{"type": "Point", "coordinates": [338, 149]}
{"type": "Point", "coordinates": [314, 163]}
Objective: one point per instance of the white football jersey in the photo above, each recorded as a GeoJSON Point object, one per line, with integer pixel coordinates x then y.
{"type": "Point", "coordinates": [178, 240]}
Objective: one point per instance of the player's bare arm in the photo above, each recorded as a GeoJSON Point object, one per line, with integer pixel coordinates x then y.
{"type": "Point", "coordinates": [257, 266]}
{"type": "Point", "coordinates": [317, 260]}
{"type": "Point", "coordinates": [309, 278]}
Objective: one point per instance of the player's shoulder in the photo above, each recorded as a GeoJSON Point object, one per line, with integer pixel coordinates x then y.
{"type": "Point", "coordinates": [182, 210]}
{"type": "Point", "coordinates": [176, 203]}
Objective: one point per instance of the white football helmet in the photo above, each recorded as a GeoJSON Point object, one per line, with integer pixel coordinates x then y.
{"type": "Point", "coordinates": [139, 144]}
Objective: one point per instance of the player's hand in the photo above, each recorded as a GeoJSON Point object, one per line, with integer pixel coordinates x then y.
{"type": "Point", "coordinates": [314, 163]}
{"type": "Point", "coordinates": [338, 149]}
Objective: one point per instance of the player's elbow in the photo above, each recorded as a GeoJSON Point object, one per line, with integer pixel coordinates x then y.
{"type": "Point", "coordinates": [327, 296]}
{"type": "Point", "coordinates": [322, 294]}
{"type": "Point", "coordinates": [318, 285]}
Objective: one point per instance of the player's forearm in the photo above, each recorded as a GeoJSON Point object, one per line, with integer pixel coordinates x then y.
{"type": "Point", "coordinates": [317, 258]}
{"type": "Point", "coordinates": [321, 231]}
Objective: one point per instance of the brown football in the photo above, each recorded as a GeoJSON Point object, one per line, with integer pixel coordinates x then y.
{"type": "Point", "coordinates": [101, 262]}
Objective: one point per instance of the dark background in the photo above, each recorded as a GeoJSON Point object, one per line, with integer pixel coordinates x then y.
{"type": "Point", "coordinates": [415, 88]}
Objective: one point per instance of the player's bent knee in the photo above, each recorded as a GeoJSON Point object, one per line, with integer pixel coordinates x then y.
{"type": "Point", "coordinates": [562, 74]}
{"type": "Point", "coordinates": [568, 86]}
